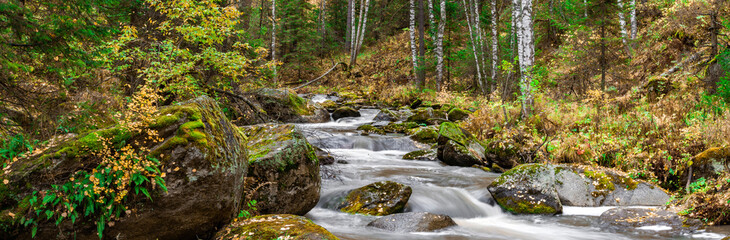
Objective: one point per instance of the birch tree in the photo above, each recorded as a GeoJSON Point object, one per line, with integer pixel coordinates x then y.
{"type": "Point", "coordinates": [273, 36]}
{"type": "Point", "coordinates": [475, 44]}
{"type": "Point", "coordinates": [633, 20]}
{"type": "Point", "coordinates": [526, 53]}
{"type": "Point", "coordinates": [622, 25]}
{"type": "Point", "coordinates": [440, 45]}
{"type": "Point", "coordinates": [348, 31]}
{"type": "Point", "coordinates": [359, 33]}
{"type": "Point", "coordinates": [495, 57]}
{"type": "Point", "coordinates": [412, 32]}
{"type": "Point", "coordinates": [421, 75]}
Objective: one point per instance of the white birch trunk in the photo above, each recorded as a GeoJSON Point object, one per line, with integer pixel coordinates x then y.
{"type": "Point", "coordinates": [413, 35]}
{"type": "Point", "coordinates": [273, 36]}
{"type": "Point", "coordinates": [353, 32]}
{"type": "Point", "coordinates": [474, 46]}
{"type": "Point", "coordinates": [361, 33]}
{"type": "Point", "coordinates": [431, 22]}
{"type": "Point", "coordinates": [440, 45]}
{"type": "Point", "coordinates": [526, 56]}
{"type": "Point", "coordinates": [480, 42]}
{"type": "Point", "coordinates": [495, 39]}
{"type": "Point", "coordinates": [622, 25]}
{"type": "Point", "coordinates": [633, 20]}
{"type": "Point", "coordinates": [355, 35]}
{"type": "Point", "coordinates": [585, 9]}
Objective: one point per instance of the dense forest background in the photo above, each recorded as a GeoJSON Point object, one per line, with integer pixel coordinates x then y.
{"type": "Point", "coordinates": [641, 86]}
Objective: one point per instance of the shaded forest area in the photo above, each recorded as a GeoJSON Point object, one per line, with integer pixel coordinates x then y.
{"type": "Point", "coordinates": [639, 86]}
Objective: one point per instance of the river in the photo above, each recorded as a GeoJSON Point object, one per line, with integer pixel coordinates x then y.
{"type": "Point", "coordinates": [459, 192]}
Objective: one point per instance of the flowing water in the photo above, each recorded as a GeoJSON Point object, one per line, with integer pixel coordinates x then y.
{"type": "Point", "coordinates": [437, 188]}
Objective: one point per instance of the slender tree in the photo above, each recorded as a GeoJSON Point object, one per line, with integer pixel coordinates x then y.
{"type": "Point", "coordinates": [526, 55]}
{"type": "Point", "coordinates": [348, 28]}
{"type": "Point", "coordinates": [273, 36]}
{"type": "Point", "coordinates": [440, 45]}
{"type": "Point", "coordinates": [633, 20]}
{"type": "Point", "coordinates": [412, 32]}
{"type": "Point", "coordinates": [474, 43]}
{"type": "Point", "coordinates": [421, 73]}
{"type": "Point", "coordinates": [495, 45]}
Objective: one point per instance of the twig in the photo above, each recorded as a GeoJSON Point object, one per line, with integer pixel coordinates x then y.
{"type": "Point", "coordinates": [320, 77]}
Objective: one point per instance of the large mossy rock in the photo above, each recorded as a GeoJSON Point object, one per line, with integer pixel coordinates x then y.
{"type": "Point", "coordinates": [711, 162]}
{"type": "Point", "coordinates": [386, 115]}
{"type": "Point", "coordinates": [661, 222]}
{"type": "Point", "coordinates": [457, 114]}
{"type": "Point", "coordinates": [203, 158]}
{"type": "Point", "coordinates": [400, 127]}
{"type": "Point", "coordinates": [343, 112]}
{"type": "Point", "coordinates": [268, 227]}
{"type": "Point", "coordinates": [527, 189]}
{"type": "Point", "coordinates": [285, 106]}
{"type": "Point", "coordinates": [425, 115]}
{"type": "Point", "coordinates": [413, 222]}
{"type": "Point", "coordinates": [426, 135]}
{"type": "Point", "coordinates": [457, 147]}
{"type": "Point", "coordinates": [284, 169]}
{"type": "Point", "coordinates": [422, 155]}
{"type": "Point", "coordinates": [536, 186]}
{"type": "Point", "coordinates": [377, 199]}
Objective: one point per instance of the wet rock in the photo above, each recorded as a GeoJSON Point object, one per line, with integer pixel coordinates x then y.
{"type": "Point", "coordinates": [285, 106]}
{"type": "Point", "coordinates": [424, 134]}
{"type": "Point", "coordinates": [572, 185]}
{"type": "Point", "coordinates": [201, 152]}
{"type": "Point", "coordinates": [661, 222]}
{"type": "Point", "coordinates": [422, 115]}
{"type": "Point", "coordinates": [457, 114]}
{"type": "Point", "coordinates": [324, 157]}
{"type": "Point", "coordinates": [527, 189]}
{"type": "Point", "coordinates": [386, 115]}
{"type": "Point", "coordinates": [284, 168]}
{"type": "Point", "coordinates": [378, 199]}
{"type": "Point", "coordinates": [400, 127]}
{"type": "Point", "coordinates": [456, 147]}
{"type": "Point", "coordinates": [369, 129]}
{"type": "Point", "coordinates": [267, 227]}
{"type": "Point", "coordinates": [342, 112]}
{"type": "Point", "coordinates": [710, 162]}
{"type": "Point", "coordinates": [422, 155]}
{"type": "Point", "coordinates": [329, 105]}
{"type": "Point", "coordinates": [413, 222]}
{"type": "Point", "coordinates": [343, 162]}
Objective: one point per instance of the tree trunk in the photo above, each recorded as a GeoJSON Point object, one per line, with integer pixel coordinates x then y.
{"type": "Point", "coordinates": [273, 36]}
{"type": "Point", "coordinates": [585, 9]}
{"type": "Point", "coordinates": [527, 54]}
{"type": "Point", "coordinates": [348, 30]}
{"type": "Point", "coordinates": [355, 35]}
{"type": "Point", "coordinates": [421, 82]}
{"type": "Point", "coordinates": [361, 33]}
{"type": "Point", "coordinates": [495, 43]}
{"type": "Point", "coordinates": [622, 25]}
{"type": "Point", "coordinates": [440, 46]}
{"type": "Point", "coordinates": [633, 20]}
{"type": "Point", "coordinates": [431, 22]}
{"type": "Point", "coordinates": [412, 31]}
{"type": "Point", "coordinates": [603, 60]}
{"type": "Point", "coordinates": [480, 44]}
{"type": "Point", "coordinates": [714, 70]}
{"type": "Point", "coordinates": [474, 46]}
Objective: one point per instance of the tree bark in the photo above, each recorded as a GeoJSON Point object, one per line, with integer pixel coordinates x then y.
{"type": "Point", "coordinates": [358, 36]}
{"type": "Point", "coordinates": [495, 43]}
{"type": "Point", "coordinates": [412, 32]}
{"type": "Point", "coordinates": [526, 56]}
{"type": "Point", "coordinates": [474, 46]}
{"type": "Point", "coordinates": [633, 20]}
{"type": "Point", "coordinates": [273, 36]}
{"type": "Point", "coordinates": [480, 44]}
{"type": "Point", "coordinates": [603, 60]}
{"type": "Point", "coordinates": [421, 45]}
{"type": "Point", "coordinates": [361, 34]}
{"type": "Point", "coordinates": [348, 30]}
{"type": "Point", "coordinates": [440, 46]}
{"type": "Point", "coordinates": [622, 25]}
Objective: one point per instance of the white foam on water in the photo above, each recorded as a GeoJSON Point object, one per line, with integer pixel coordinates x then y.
{"type": "Point", "coordinates": [593, 211]}
{"type": "Point", "coordinates": [655, 228]}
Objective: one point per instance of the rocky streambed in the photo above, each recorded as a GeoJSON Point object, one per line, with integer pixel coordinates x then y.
{"type": "Point", "coordinates": [342, 171]}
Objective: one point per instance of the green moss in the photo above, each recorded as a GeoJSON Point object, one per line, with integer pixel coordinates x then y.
{"type": "Point", "coordinates": [299, 105]}
{"type": "Point", "coordinates": [526, 207]}
{"type": "Point", "coordinates": [425, 135]}
{"type": "Point", "coordinates": [457, 114]}
{"type": "Point", "coordinates": [526, 171]}
{"type": "Point", "coordinates": [400, 127]}
{"type": "Point", "coordinates": [417, 154]}
{"type": "Point", "coordinates": [453, 132]}
{"type": "Point", "coordinates": [604, 181]}
{"type": "Point", "coordinates": [370, 129]}
{"type": "Point", "coordinates": [268, 227]}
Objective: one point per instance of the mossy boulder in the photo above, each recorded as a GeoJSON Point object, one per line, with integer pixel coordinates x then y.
{"type": "Point", "coordinates": [709, 163]}
{"type": "Point", "coordinates": [457, 114]}
{"type": "Point", "coordinates": [413, 222]}
{"type": "Point", "coordinates": [329, 105]}
{"type": "Point", "coordinates": [424, 134]}
{"type": "Point", "coordinates": [386, 115]}
{"type": "Point", "coordinates": [527, 189]}
{"type": "Point", "coordinates": [571, 185]}
{"type": "Point", "coordinates": [284, 169]}
{"type": "Point", "coordinates": [400, 127]}
{"type": "Point", "coordinates": [268, 227]}
{"type": "Point", "coordinates": [203, 158]}
{"type": "Point", "coordinates": [422, 115]}
{"type": "Point", "coordinates": [284, 105]}
{"type": "Point", "coordinates": [377, 199]}
{"type": "Point", "coordinates": [343, 112]}
{"type": "Point", "coordinates": [423, 155]}
{"type": "Point", "coordinates": [660, 222]}
{"type": "Point", "coordinates": [369, 129]}
{"type": "Point", "coordinates": [457, 147]}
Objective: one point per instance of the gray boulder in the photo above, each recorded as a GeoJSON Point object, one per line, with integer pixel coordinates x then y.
{"type": "Point", "coordinates": [456, 147]}
{"type": "Point", "coordinates": [413, 222]}
{"type": "Point", "coordinates": [661, 222]}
